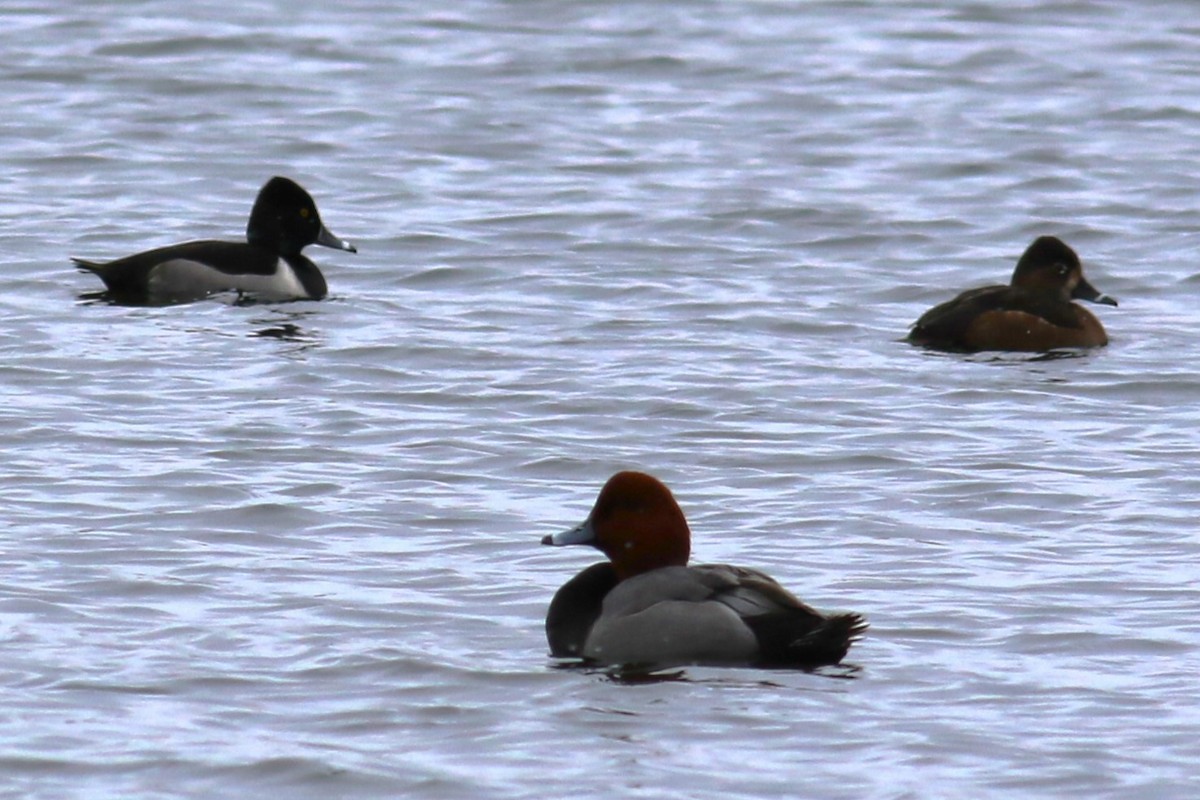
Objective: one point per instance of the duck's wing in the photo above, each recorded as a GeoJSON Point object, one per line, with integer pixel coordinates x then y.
{"type": "Point", "coordinates": [950, 324]}
{"type": "Point", "coordinates": [948, 321]}
{"type": "Point", "coordinates": [789, 631]}
{"type": "Point", "coordinates": [186, 271]}
{"type": "Point", "coordinates": [747, 591]}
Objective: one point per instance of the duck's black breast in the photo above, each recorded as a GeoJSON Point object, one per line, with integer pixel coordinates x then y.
{"type": "Point", "coordinates": [575, 608]}
{"type": "Point", "coordinates": [309, 275]}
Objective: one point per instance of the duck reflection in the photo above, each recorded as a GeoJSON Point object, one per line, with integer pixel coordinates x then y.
{"type": "Point", "coordinates": [285, 326]}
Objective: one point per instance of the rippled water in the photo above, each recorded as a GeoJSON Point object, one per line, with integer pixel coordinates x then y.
{"type": "Point", "coordinates": [294, 548]}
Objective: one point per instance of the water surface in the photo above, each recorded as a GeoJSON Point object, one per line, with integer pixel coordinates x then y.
{"type": "Point", "coordinates": [295, 547]}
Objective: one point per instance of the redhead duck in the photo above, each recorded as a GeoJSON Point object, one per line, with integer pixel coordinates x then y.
{"type": "Point", "coordinates": [645, 607]}
{"type": "Point", "coordinates": [268, 265]}
{"type": "Point", "coordinates": [1033, 313]}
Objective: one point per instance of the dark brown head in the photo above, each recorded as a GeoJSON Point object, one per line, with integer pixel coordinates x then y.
{"type": "Point", "coordinates": [1049, 266]}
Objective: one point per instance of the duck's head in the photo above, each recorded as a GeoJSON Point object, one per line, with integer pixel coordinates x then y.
{"type": "Point", "coordinates": [285, 220]}
{"type": "Point", "coordinates": [1050, 266]}
{"type": "Point", "coordinates": [636, 523]}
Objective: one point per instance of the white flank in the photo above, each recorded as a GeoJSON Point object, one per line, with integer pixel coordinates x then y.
{"type": "Point", "coordinates": [179, 280]}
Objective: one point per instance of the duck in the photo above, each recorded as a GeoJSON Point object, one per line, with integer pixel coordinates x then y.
{"type": "Point", "coordinates": [646, 608]}
{"type": "Point", "coordinates": [1034, 313]}
{"type": "Point", "coordinates": [267, 266]}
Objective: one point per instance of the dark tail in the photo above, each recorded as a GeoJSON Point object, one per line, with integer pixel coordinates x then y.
{"type": "Point", "coordinates": [828, 642]}
{"type": "Point", "coordinates": [83, 265]}
{"type": "Point", "coordinates": [808, 639]}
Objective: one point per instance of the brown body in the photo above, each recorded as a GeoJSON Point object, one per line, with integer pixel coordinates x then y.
{"type": "Point", "coordinates": [1034, 313]}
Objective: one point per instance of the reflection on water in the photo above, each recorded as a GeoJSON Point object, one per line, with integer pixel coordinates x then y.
{"type": "Point", "coordinates": [94, 298]}
{"type": "Point", "coordinates": [1009, 358]}
{"type": "Point", "coordinates": [287, 331]}
{"type": "Point", "coordinates": [634, 675]}
{"type": "Point", "coordinates": [286, 322]}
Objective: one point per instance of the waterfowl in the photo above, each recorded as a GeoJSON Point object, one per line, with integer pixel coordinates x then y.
{"type": "Point", "coordinates": [1034, 313]}
{"type": "Point", "coordinates": [267, 266]}
{"type": "Point", "coordinates": [646, 607]}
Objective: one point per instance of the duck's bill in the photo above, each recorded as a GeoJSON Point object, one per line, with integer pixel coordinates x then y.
{"type": "Point", "coordinates": [327, 239]}
{"type": "Point", "coordinates": [580, 534]}
{"type": "Point", "coordinates": [1085, 291]}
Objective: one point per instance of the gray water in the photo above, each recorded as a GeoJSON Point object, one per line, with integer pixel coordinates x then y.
{"type": "Point", "coordinates": [293, 548]}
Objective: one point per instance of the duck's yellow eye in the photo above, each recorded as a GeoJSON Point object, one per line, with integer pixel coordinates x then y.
{"type": "Point", "coordinates": [304, 213]}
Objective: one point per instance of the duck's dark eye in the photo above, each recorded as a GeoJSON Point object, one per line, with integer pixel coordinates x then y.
{"type": "Point", "coordinates": [1063, 270]}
